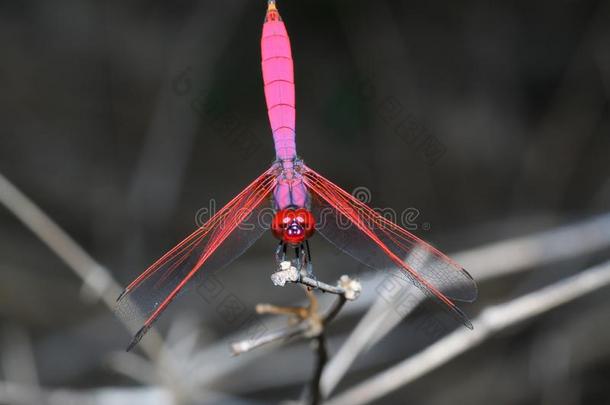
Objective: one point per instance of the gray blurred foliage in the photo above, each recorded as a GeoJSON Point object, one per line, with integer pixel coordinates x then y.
{"type": "Point", "coordinates": [121, 119]}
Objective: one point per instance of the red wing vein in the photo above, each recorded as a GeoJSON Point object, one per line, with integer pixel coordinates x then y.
{"type": "Point", "coordinates": [368, 220]}
{"type": "Point", "coordinates": [204, 242]}
{"type": "Point", "coordinates": [193, 239]}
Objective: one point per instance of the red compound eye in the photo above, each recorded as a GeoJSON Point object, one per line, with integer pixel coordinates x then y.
{"type": "Point", "coordinates": [307, 221]}
{"type": "Point", "coordinates": [281, 220]}
{"type": "Point", "coordinates": [293, 227]}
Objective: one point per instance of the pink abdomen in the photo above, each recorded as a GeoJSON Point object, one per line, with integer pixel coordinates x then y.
{"type": "Point", "coordinates": [278, 77]}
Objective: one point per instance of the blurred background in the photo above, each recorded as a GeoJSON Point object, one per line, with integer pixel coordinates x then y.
{"type": "Point", "coordinates": [122, 120]}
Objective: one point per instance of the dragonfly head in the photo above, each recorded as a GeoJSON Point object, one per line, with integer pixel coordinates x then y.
{"type": "Point", "coordinates": [293, 226]}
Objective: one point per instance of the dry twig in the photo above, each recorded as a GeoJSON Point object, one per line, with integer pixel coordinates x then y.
{"type": "Point", "coordinates": [97, 280]}
{"type": "Point", "coordinates": [491, 321]}
{"type": "Point", "coordinates": [486, 262]}
{"type": "Point", "coordinates": [309, 322]}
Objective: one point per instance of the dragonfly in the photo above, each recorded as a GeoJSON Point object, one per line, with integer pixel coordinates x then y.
{"type": "Point", "coordinates": [303, 203]}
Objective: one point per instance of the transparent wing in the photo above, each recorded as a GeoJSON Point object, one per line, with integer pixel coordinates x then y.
{"type": "Point", "coordinates": [223, 238]}
{"type": "Point", "coordinates": [379, 243]}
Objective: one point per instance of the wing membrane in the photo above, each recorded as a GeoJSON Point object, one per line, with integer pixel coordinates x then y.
{"type": "Point", "coordinates": [381, 244]}
{"type": "Point", "coordinates": [223, 238]}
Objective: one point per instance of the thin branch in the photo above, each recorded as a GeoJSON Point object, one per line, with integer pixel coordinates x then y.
{"type": "Point", "coordinates": [319, 285]}
{"type": "Point", "coordinates": [97, 280]}
{"type": "Point", "coordinates": [346, 287]}
{"type": "Point", "coordinates": [23, 394]}
{"type": "Point", "coordinates": [370, 326]}
{"type": "Point", "coordinates": [247, 345]}
{"type": "Point", "coordinates": [334, 310]}
{"type": "Point", "coordinates": [311, 324]}
{"type": "Point", "coordinates": [489, 261]}
{"type": "Point", "coordinates": [518, 254]}
{"type": "Point", "coordinates": [315, 392]}
{"type": "Point", "coordinates": [491, 321]}
{"type": "Point", "coordinates": [321, 358]}
{"type": "Point", "coordinates": [299, 312]}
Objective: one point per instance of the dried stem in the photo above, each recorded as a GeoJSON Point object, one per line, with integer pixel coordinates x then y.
{"type": "Point", "coordinates": [315, 392]}
{"type": "Point", "coordinates": [313, 283]}
{"type": "Point", "coordinates": [247, 345]}
{"type": "Point", "coordinates": [315, 395]}
{"type": "Point", "coordinates": [491, 321]}
{"type": "Point", "coordinates": [311, 324]}
{"type": "Point", "coordinates": [98, 282]}
{"type": "Point", "coordinates": [334, 311]}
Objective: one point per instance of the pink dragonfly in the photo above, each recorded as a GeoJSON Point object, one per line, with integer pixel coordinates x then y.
{"type": "Point", "coordinates": [298, 195]}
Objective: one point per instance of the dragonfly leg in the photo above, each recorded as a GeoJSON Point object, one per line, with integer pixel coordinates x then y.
{"type": "Point", "coordinates": [308, 263]}
{"type": "Point", "coordinates": [280, 252]}
{"type": "Point", "coordinates": [300, 261]}
{"type": "Point", "coordinates": [308, 251]}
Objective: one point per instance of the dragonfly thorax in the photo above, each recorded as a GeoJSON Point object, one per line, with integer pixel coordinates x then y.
{"type": "Point", "coordinates": [290, 190]}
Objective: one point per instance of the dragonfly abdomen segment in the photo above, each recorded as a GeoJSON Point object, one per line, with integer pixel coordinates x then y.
{"type": "Point", "coordinates": [278, 77]}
